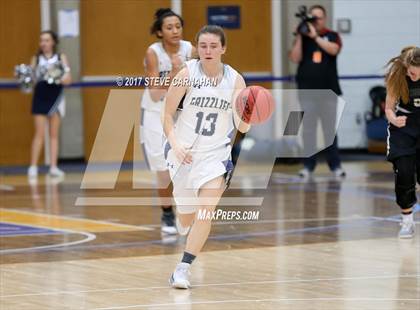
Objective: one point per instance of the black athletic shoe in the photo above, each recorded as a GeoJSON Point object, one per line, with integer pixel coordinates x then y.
{"type": "Point", "coordinates": [168, 224]}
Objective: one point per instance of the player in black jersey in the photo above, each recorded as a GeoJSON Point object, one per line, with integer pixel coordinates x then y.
{"type": "Point", "coordinates": [403, 113]}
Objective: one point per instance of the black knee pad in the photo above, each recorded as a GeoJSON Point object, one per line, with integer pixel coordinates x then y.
{"type": "Point", "coordinates": [418, 165]}
{"type": "Point", "coordinates": [405, 181]}
{"type": "Point", "coordinates": [418, 174]}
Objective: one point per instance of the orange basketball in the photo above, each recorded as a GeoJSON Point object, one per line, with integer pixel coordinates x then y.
{"type": "Point", "coordinates": [254, 105]}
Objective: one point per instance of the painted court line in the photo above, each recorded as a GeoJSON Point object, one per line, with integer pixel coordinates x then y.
{"type": "Point", "coordinates": [209, 302]}
{"type": "Point", "coordinates": [236, 236]}
{"type": "Point", "coordinates": [290, 220]}
{"type": "Point", "coordinates": [63, 222]}
{"type": "Point", "coordinates": [215, 285]}
{"type": "Point", "coordinates": [8, 188]}
{"type": "Point", "coordinates": [153, 201]}
{"type": "Point", "coordinates": [11, 230]}
{"type": "Point", "coordinates": [88, 237]}
{"type": "Point", "coordinates": [35, 234]}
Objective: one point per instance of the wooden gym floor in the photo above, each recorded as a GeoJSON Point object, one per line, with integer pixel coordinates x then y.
{"type": "Point", "coordinates": [324, 244]}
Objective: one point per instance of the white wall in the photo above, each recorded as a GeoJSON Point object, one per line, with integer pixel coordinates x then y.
{"type": "Point", "coordinates": [71, 132]}
{"type": "Point", "coordinates": [379, 30]}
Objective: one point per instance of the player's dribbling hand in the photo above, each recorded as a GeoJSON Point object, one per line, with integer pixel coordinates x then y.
{"type": "Point", "coordinates": [400, 121]}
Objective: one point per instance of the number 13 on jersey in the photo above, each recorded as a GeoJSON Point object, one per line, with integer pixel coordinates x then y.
{"type": "Point", "coordinates": [209, 126]}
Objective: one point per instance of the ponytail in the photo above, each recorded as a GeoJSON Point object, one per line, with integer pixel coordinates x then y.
{"type": "Point", "coordinates": [160, 15]}
{"type": "Point", "coordinates": [396, 81]}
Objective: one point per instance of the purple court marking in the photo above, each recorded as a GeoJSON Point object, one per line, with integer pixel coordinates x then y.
{"type": "Point", "coordinates": [7, 229]}
{"type": "Point", "coordinates": [236, 236]}
{"type": "Point", "coordinates": [319, 229]}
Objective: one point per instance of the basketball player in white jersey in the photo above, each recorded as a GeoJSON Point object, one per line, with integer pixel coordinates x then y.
{"type": "Point", "coordinates": [198, 147]}
{"type": "Point", "coordinates": [163, 59]}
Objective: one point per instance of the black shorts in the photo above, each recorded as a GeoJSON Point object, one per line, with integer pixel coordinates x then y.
{"type": "Point", "coordinates": [404, 141]}
{"type": "Point", "coordinates": [46, 98]}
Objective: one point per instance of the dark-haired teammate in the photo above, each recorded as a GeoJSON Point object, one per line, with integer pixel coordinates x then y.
{"type": "Point", "coordinates": [163, 59]}
{"type": "Point", "coordinates": [403, 112]}
{"type": "Point", "coordinates": [198, 148]}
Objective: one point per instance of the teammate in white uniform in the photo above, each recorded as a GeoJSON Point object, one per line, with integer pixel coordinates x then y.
{"type": "Point", "coordinates": [163, 59]}
{"type": "Point", "coordinates": [198, 147]}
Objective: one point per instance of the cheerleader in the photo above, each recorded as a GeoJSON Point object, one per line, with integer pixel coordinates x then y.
{"type": "Point", "coordinates": [198, 151]}
{"type": "Point", "coordinates": [52, 71]}
{"type": "Point", "coordinates": [163, 59]}
{"type": "Point", "coordinates": [403, 113]}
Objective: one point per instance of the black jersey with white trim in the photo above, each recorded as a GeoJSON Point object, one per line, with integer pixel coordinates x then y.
{"type": "Point", "coordinates": [413, 104]}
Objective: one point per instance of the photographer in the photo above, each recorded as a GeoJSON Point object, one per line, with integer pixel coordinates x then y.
{"type": "Point", "coordinates": [315, 49]}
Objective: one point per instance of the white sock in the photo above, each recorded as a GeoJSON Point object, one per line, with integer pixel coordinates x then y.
{"type": "Point", "coordinates": [407, 217]}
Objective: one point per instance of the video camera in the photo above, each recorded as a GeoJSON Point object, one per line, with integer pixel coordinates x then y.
{"type": "Point", "coordinates": [305, 18]}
